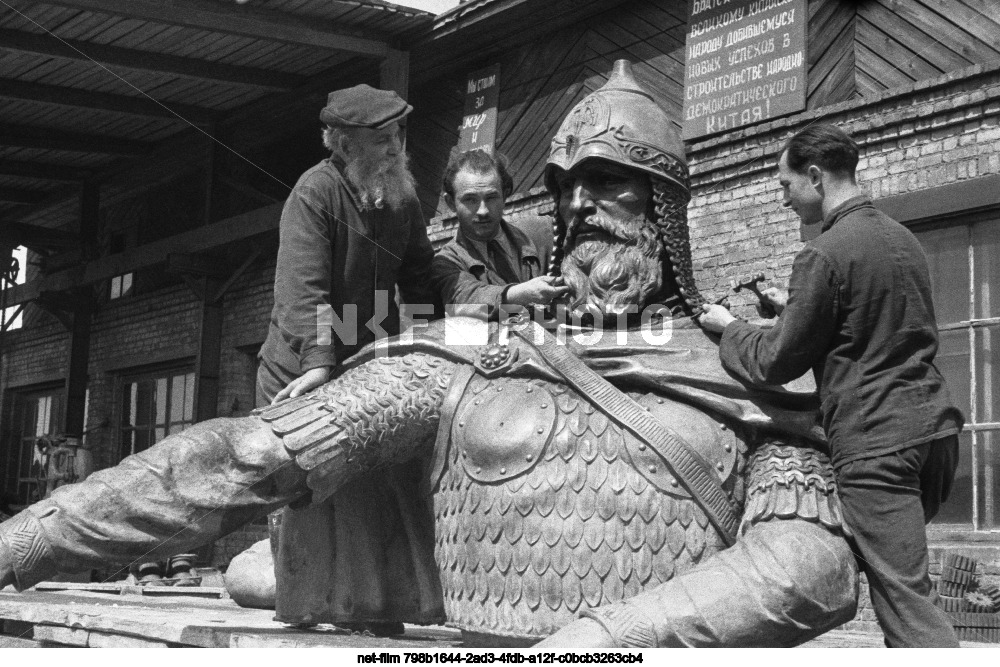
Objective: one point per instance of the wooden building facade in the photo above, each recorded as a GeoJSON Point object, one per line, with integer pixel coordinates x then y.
{"type": "Point", "coordinates": [191, 222]}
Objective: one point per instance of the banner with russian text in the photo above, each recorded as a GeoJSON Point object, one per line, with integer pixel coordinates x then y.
{"type": "Point", "coordinates": [479, 122]}
{"type": "Point", "coordinates": [745, 63]}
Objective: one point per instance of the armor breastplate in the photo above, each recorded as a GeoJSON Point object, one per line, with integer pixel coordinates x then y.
{"type": "Point", "coordinates": [542, 510]}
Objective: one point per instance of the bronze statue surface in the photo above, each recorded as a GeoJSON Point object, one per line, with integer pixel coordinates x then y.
{"type": "Point", "coordinates": [586, 469]}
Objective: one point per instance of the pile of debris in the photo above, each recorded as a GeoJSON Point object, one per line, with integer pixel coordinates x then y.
{"type": "Point", "coordinates": [972, 604]}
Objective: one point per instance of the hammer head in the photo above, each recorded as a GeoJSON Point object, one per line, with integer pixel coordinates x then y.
{"type": "Point", "coordinates": [747, 284]}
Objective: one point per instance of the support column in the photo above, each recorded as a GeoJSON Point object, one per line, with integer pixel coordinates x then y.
{"type": "Point", "coordinates": [208, 361]}
{"type": "Point", "coordinates": [82, 313]}
{"type": "Point", "coordinates": [394, 74]}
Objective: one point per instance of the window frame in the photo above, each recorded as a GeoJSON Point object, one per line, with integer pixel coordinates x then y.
{"type": "Point", "coordinates": [123, 383]}
{"type": "Point", "coordinates": [17, 443]}
{"type": "Point", "coordinates": [985, 514]}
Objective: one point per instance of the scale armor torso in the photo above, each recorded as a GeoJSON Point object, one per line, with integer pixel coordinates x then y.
{"type": "Point", "coordinates": [542, 512]}
{"type": "Point", "coordinates": [544, 508]}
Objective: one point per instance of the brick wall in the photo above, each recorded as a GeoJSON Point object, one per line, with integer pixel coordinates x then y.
{"type": "Point", "coordinates": [928, 134]}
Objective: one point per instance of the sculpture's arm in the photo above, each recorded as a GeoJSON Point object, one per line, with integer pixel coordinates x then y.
{"type": "Point", "coordinates": [196, 486]}
{"type": "Point", "coordinates": [789, 578]}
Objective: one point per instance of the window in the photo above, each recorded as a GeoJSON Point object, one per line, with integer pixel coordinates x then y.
{"type": "Point", "coordinates": [33, 414]}
{"type": "Point", "coordinates": [121, 285]}
{"type": "Point", "coordinates": [965, 274]}
{"type": "Point", "coordinates": [10, 318]}
{"type": "Point", "coordinates": [154, 406]}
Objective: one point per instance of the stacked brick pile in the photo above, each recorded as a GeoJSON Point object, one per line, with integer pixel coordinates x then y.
{"type": "Point", "coordinates": [973, 606]}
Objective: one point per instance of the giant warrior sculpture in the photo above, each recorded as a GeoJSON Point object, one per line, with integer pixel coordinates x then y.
{"type": "Point", "coordinates": [589, 473]}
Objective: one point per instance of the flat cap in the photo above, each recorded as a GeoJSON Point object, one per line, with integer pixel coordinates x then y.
{"type": "Point", "coordinates": [363, 106]}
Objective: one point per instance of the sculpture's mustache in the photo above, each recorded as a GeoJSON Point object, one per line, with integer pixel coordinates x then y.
{"type": "Point", "coordinates": [607, 230]}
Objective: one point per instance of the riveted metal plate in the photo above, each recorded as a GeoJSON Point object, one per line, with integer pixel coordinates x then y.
{"type": "Point", "coordinates": [716, 443]}
{"type": "Point", "coordinates": [502, 431]}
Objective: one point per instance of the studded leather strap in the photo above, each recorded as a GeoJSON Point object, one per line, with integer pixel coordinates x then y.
{"type": "Point", "coordinates": [687, 465]}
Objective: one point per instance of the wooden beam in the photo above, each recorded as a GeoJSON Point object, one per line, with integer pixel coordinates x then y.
{"type": "Point", "coordinates": [78, 359]}
{"type": "Point", "coordinates": [394, 72]}
{"type": "Point", "coordinates": [968, 196]}
{"type": "Point", "coordinates": [196, 265]}
{"type": "Point", "coordinates": [34, 237]}
{"type": "Point", "coordinates": [44, 138]}
{"type": "Point", "coordinates": [208, 361]}
{"type": "Point", "coordinates": [216, 235]}
{"type": "Point", "coordinates": [42, 171]}
{"type": "Point", "coordinates": [75, 97]}
{"type": "Point", "coordinates": [20, 196]}
{"type": "Point", "coordinates": [245, 20]}
{"type": "Point", "coordinates": [148, 61]}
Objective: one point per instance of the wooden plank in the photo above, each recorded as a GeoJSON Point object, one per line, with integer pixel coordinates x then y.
{"type": "Point", "coordinates": [20, 195]}
{"type": "Point", "coordinates": [869, 38]}
{"type": "Point", "coordinates": [885, 72]}
{"type": "Point", "coordinates": [44, 138]}
{"type": "Point", "coordinates": [436, 54]}
{"type": "Point", "coordinates": [135, 59]}
{"type": "Point", "coordinates": [75, 97]}
{"type": "Point", "coordinates": [943, 201]}
{"type": "Point", "coordinates": [206, 623]}
{"type": "Point", "coordinates": [977, 22]}
{"type": "Point", "coordinates": [826, 74]}
{"type": "Point", "coordinates": [918, 42]}
{"type": "Point", "coordinates": [394, 72]}
{"type": "Point", "coordinates": [205, 238]}
{"type": "Point", "coordinates": [245, 20]}
{"type": "Point", "coordinates": [827, 21]}
{"type": "Point", "coordinates": [43, 171]}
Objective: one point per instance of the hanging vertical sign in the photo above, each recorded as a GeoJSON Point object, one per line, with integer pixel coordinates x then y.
{"type": "Point", "coordinates": [479, 122]}
{"type": "Point", "coordinates": [745, 63]}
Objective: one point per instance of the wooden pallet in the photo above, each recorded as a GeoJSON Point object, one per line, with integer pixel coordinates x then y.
{"type": "Point", "coordinates": [85, 618]}
{"type": "Point", "coordinates": [88, 618]}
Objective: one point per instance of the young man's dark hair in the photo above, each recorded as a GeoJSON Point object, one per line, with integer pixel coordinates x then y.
{"type": "Point", "coordinates": [479, 162]}
{"type": "Point", "coordinates": [825, 146]}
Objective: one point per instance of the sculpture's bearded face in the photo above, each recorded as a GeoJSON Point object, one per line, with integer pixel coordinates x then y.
{"type": "Point", "coordinates": [613, 258]}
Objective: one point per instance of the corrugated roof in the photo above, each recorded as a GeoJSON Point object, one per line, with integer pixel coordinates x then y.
{"type": "Point", "coordinates": [85, 83]}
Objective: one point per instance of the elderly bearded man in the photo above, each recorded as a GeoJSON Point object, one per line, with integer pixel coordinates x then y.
{"type": "Point", "coordinates": [617, 473]}
{"type": "Point", "coordinates": [351, 231]}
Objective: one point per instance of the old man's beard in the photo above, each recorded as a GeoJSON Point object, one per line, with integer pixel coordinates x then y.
{"type": "Point", "coordinates": [382, 182]}
{"type": "Point", "coordinates": [613, 265]}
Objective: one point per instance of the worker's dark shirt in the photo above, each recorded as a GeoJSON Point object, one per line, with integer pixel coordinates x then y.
{"type": "Point", "coordinates": [462, 275]}
{"type": "Point", "coordinates": [860, 315]}
{"type": "Point", "coordinates": [332, 252]}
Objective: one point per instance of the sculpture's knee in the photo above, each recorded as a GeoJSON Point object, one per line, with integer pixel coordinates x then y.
{"type": "Point", "coordinates": [818, 564]}
{"type": "Point", "coordinates": [250, 578]}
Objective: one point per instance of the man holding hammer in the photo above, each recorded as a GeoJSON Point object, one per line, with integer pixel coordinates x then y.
{"type": "Point", "coordinates": [859, 315]}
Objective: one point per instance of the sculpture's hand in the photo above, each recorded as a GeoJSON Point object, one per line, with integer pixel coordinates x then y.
{"type": "Point", "coordinates": [775, 297]}
{"type": "Point", "coordinates": [301, 385]}
{"type": "Point", "coordinates": [582, 633]}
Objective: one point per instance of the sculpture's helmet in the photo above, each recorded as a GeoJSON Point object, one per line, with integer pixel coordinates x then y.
{"type": "Point", "coordinates": [622, 123]}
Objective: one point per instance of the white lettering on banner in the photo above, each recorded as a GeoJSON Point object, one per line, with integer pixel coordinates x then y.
{"type": "Point", "coordinates": [765, 6]}
{"type": "Point", "coordinates": [704, 48]}
{"type": "Point", "coordinates": [705, 66]}
{"type": "Point", "coordinates": [716, 22]}
{"type": "Point", "coordinates": [724, 82]}
{"type": "Point", "coordinates": [751, 51]}
{"type": "Point", "coordinates": [473, 122]}
{"type": "Point", "coordinates": [784, 64]}
{"type": "Point", "coordinates": [706, 5]}
{"type": "Point", "coordinates": [760, 27]}
{"type": "Point", "coordinates": [477, 85]}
